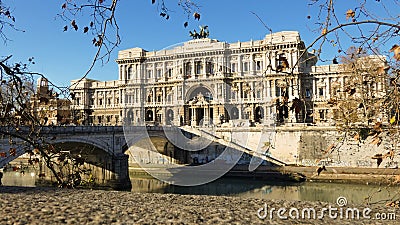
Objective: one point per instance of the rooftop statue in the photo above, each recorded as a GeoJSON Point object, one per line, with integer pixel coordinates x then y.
{"type": "Point", "coordinates": [204, 33]}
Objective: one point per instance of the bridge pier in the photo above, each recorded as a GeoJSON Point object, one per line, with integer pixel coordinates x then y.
{"type": "Point", "coordinates": [120, 173]}
{"type": "Point", "coordinates": [113, 173]}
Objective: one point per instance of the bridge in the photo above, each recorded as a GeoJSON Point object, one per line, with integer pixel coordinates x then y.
{"type": "Point", "coordinates": [102, 147]}
{"type": "Point", "coordinates": [105, 147]}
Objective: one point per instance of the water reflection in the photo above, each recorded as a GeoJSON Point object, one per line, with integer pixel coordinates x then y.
{"type": "Point", "coordinates": [261, 189]}
{"type": "Point", "coordinates": [19, 178]}
{"type": "Point", "coordinates": [245, 188]}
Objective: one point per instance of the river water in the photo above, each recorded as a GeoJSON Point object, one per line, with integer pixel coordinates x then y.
{"type": "Point", "coordinates": [247, 188]}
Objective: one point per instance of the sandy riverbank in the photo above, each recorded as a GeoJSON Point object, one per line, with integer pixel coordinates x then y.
{"type": "Point", "coordinates": [54, 206]}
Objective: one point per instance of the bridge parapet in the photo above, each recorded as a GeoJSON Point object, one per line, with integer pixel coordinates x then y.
{"type": "Point", "coordinates": [81, 129]}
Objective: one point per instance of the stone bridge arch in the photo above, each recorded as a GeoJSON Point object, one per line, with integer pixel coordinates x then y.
{"type": "Point", "coordinates": [101, 147]}
{"type": "Point", "coordinates": [97, 143]}
{"type": "Point", "coordinates": [108, 166]}
{"type": "Point", "coordinates": [151, 145]}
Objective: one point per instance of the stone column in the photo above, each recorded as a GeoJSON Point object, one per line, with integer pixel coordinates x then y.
{"type": "Point", "coordinates": [204, 62]}
{"type": "Point", "coordinates": [328, 88]}
{"type": "Point", "coordinates": [251, 69]}
{"type": "Point", "coordinates": [240, 91]}
{"type": "Point", "coordinates": [273, 59]}
{"type": "Point", "coordinates": [126, 72]}
{"type": "Point", "coordinates": [216, 112]}
{"type": "Point", "coordinates": [273, 89]}
{"type": "Point", "coordinates": [121, 94]}
{"type": "Point", "coordinates": [164, 72]}
{"type": "Point", "coordinates": [164, 116]}
{"type": "Point", "coordinates": [206, 112]}
{"type": "Point", "coordinates": [252, 113]}
{"type": "Point", "coordinates": [240, 66]}
{"type": "Point", "coordinates": [120, 67]}
{"type": "Point", "coordinates": [193, 119]}
{"type": "Point", "coordinates": [297, 86]}
{"type": "Point", "coordinates": [163, 97]}
{"type": "Point", "coordinates": [314, 88]}
{"type": "Point", "coordinates": [154, 95]}
{"type": "Point", "coordinates": [193, 68]}
{"type": "Point", "coordinates": [267, 88]}
{"type": "Point", "coordinates": [252, 90]}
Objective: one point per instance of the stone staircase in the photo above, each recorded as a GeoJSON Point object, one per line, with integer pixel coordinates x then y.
{"type": "Point", "coordinates": [232, 143]}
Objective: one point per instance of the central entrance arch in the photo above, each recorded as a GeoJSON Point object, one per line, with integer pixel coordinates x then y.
{"type": "Point", "coordinates": [199, 107]}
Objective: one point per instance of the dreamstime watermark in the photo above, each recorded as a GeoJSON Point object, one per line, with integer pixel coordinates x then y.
{"type": "Point", "coordinates": [190, 123]}
{"type": "Point", "coordinates": [340, 212]}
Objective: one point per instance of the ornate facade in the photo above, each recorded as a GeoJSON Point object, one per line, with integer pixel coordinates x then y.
{"type": "Point", "coordinates": [207, 82]}
{"type": "Point", "coordinates": [47, 107]}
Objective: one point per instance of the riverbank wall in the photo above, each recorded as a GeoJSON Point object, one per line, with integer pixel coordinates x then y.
{"type": "Point", "coordinates": [349, 175]}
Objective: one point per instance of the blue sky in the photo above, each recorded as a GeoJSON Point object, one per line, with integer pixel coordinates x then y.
{"type": "Point", "coordinates": [63, 56]}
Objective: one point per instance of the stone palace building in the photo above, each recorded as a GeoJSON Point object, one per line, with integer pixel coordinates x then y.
{"type": "Point", "coordinates": [207, 82]}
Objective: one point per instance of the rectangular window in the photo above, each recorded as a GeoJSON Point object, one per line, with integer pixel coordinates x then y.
{"type": "Point", "coordinates": [321, 91]}
{"type": "Point", "coordinates": [100, 101]}
{"type": "Point", "coordinates": [245, 66]}
{"type": "Point", "coordinates": [170, 71]}
{"type": "Point", "coordinates": [322, 114]}
{"type": "Point", "coordinates": [308, 93]}
{"type": "Point", "coordinates": [258, 65]}
{"type": "Point", "coordinates": [188, 69]}
{"type": "Point", "coordinates": [277, 91]}
{"type": "Point", "coordinates": [258, 94]}
{"type": "Point", "coordinates": [149, 74]}
{"type": "Point", "coordinates": [159, 73]}
{"type": "Point", "coordinates": [209, 68]}
{"type": "Point", "coordinates": [198, 67]}
{"type": "Point", "coordinates": [233, 67]}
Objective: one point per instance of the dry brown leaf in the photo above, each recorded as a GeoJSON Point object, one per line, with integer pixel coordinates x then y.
{"type": "Point", "coordinates": [196, 16]}
{"type": "Point", "coordinates": [377, 141]}
{"type": "Point", "coordinates": [378, 127]}
{"type": "Point", "coordinates": [389, 154]}
{"type": "Point", "coordinates": [396, 50]}
{"type": "Point", "coordinates": [324, 31]}
{"type": "Point", "coordinates": [328, 150]}
{"type": "Point", "coordinates": [381, 70]}
{"type": "Point", "coordinates": [357, 137]}
{"type": "Point", "coordinates": [396, 179]}
{"type": "Point", "coordinates": [395, 204]}
{"type": "Point", "coordinates": [350, 14]}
